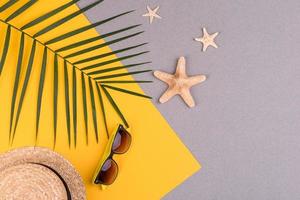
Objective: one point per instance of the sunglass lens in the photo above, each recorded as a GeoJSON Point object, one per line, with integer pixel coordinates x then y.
{"type": "Point", "coordinates": [108, 173]}
{"type": "Point", "coordinates": [122, 141]}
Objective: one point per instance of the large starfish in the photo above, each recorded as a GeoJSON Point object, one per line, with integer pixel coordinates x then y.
{"type": "Point", "coordinates": [152, 14]}
{"type": "Point", "coordinates": [179, 83]}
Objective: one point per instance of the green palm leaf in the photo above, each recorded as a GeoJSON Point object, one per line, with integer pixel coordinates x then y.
{"type": "Point", "coordinates": [108, 54]}
{"type": "Point", "coordinates": [7, 5]}
{"type": "Point", "coordinates": [84, 107]}
{"type": "Point", "coordinates": [55, 96]}
{"type": "Point", "coordinates": [83, 29]}
{"type": "Point", "coordinates": [74, 93]}
{"type": "Point", "coordinates": [49, 14]}
{"type": "Point", "coordinates": [103, 109]}
{"type": "Point", "coordinates": [5, 49]}
{"type": "Point", "coordinates": [16, 82]}
{"type": "Point", "coordinates": [112, 61]}
{"type": "Point", "coordinates": [125, 82]}
{"type": "Point", "coordinates": [25, 84]}
{"type": "Point", "coordinates": [93, 109]}
{"type": "Point", "coordinates": [100, 78]}
{"type": "Point", "coordinates": [40, 91]}
{"type": "Point", "coordinates": [113, 103]}
{"type": "Point", "coordinates": [126, 91]}
{"type": "Point", "coordinates": [93, 78]}
{"type": "Point", "coordinates": [94, 48]}
{"type": "Point", "coordinates": [65, 19]}
{"type": "Point", "coordinates": [67, 101]}
{"type": "Point", "coordinates": [93, 39]}
{"type": "Point", "coordinates": [100, 46]}
{"type": "Point", "coordinates": [20, 10]}
{"type": "Point", "coordinates": [116, 68]}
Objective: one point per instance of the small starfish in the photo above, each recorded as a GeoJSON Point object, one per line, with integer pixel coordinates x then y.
{"type": "Point", "coordinates": [207, 40]}
{"type": "Point", "coordinates": [152, 14]}
{"type": "Point", "coordinates": [179, 83]}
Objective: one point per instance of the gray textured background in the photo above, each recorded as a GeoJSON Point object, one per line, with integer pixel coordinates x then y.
{"type": "Point", "coordinates": [245, 128]}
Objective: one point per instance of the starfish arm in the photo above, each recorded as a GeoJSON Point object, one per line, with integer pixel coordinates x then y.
{"type": "Point", "coordinates": [198, 39]}
{"type": "Point", "coordinates": [149, 9]}
{"type": "Point", "coordinates": [187, 97]}
{"type": "Point", "coordinates": [180, 70]}
{"type": "Point", "coordinates": [151, 19]}
{"type": "Point", "coordinates": [194, 80]}
{"type": "Point", "coordinates": [205, 45]}
{"type": "Point", "coordinates": [205, 32]}
{"type": "Point", "coordinates": [163, 76]}
{"type": "Point", "coordinates": [215, 35]}
{"type": "Point", "coordinates": [156, 9]}
{"type": "Point", "coordinates": [167, 95]}
{"type": "Point", "coordinates": [214, 45]}
{"type": "Point", "coordinates": [157, 16]}
{"type": "Point", "coordinates": [146, 15]}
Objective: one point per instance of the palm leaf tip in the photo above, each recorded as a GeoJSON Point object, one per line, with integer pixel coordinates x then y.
{"type": "Point", "coordinates": [83, 29]}
{"type": "Point", "coordinates": [113, 61]}
{"type": "Point", "coordinates": [126, 91]}
{"type": "Point", "coordinates": [93, 39]}
{"type": "Point", "coordinates": [116, 68]}
{"type": "Point", "coordinates": [48, 15]}
{"type": "Point", "coordinates": [89, 49]}
{"type": "Point", "coordinates": [99, 78]}
{"type": "Point", "coordinates": [125, 82]}
{"type": "Point", "coordinates": [108, 54]}
{"type": "Point", "coordinates": [65, 19]}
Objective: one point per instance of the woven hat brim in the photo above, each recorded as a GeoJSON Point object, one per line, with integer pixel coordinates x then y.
{"type": "Point", "coordinates": [48, 158]}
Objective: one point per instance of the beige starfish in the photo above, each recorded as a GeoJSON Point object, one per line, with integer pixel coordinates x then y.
{"type": "Point", "coordinates": [179, 83]}
{"type": "Point", "coordinates": [207, 40]}
{"type": "Point", "coordinates": [152, 14]}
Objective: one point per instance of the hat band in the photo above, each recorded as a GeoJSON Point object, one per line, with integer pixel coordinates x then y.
{"type": "Point", "coordinates": [69, 197]}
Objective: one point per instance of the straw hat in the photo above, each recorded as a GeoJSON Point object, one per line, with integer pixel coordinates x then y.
{"type": "Point", "coordinates": [38, 173]}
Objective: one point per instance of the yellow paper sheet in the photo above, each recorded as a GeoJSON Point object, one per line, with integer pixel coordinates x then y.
{"type": "Point", "coordinates": [157, 160]}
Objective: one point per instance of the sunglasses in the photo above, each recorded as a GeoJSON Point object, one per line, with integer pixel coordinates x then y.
{"type": "Point", "coordinates": [108, 169]}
